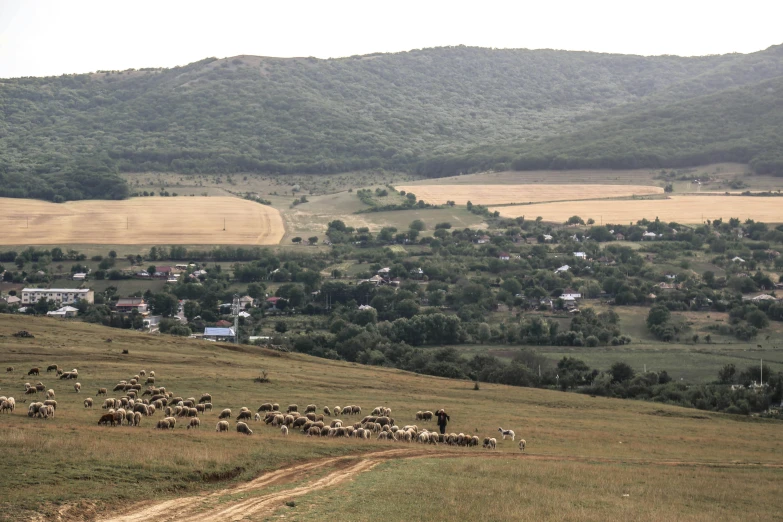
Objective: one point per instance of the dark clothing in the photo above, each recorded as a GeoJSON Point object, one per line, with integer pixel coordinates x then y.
{"type": "Point", "coordinates": [442, 420]}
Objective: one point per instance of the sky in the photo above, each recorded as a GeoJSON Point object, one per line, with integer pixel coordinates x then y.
{"type": "Point", "coordinates": [53, 37]}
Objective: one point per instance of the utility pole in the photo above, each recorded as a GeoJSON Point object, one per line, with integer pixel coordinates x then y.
{"type": "Point", "coordinates": [235, 306]}
{"type": "Point", "coordinates": [761, 367]}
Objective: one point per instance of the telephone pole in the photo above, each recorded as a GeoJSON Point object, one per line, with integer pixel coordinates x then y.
{"type": "Point", "coordinates": [235, 309]}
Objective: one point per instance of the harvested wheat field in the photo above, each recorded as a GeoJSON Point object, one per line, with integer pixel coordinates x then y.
{"type": "Point", "coordinates": [682, 209]}
{"type": "Point", "coordinates": [173, 220]}
{"type": "Point", "coordinates": [503, 194]}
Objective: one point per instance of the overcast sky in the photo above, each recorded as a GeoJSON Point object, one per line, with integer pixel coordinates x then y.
{"type": "Point", "coordinates": [52, 37]}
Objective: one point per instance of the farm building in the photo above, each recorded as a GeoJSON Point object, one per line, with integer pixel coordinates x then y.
{"type": "Point", "coordinates": [79, 276]}
{"type": "Point", "coordinates": [580, 255]}
{"type": "Point", "coordinates": [504, 256]}
{"type": "Point", "coordinates": [163, 272]}
{"type": "Point", "coordinates": [571, 294]}
{"type": "Point", "coordinates": [58, 295]}
{"type": "Point", "coordinates": [219, 334]}
{"type": "Point", "coordinates": [65, 311]}
{"type": "Point", "coordinates": [246, 301]}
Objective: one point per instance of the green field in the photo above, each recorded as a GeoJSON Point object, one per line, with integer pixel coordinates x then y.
{"type": "Point", "coordinates": [583, 453]}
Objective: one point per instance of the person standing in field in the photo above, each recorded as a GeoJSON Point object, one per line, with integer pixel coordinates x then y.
{"type": "Point", "coordinates": [443, 419]}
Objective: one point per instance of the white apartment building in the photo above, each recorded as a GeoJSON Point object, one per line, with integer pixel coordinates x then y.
{"type": "Point", "coordinates": [58, 295]}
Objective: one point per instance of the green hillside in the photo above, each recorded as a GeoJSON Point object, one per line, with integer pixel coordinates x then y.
{"type": "Point", "coordinates": [435, 111]}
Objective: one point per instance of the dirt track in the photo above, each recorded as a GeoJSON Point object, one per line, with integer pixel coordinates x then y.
{"type": "Point", "coordinates": [218, 507]}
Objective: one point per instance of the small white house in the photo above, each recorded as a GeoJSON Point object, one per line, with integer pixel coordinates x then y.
{"type": "Point", "coordinates": [580, 255]}
{"type": "Point", "coordinates": [570, 294]}
{"type": "Point", "coordinates": [649, 235]}
{"type": "Point", "coordinates": [79, 276]}
{"type": "Point", "coordinates": [65, 311]}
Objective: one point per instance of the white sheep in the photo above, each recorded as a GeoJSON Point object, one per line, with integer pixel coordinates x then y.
{"type": "Point", "coordinates": [509, 433]}
{"type": "Point", "coordinates": [194, 423]}
{"type": "Point", "coordinates": [221, 426]}
{"type": "Point", "coordinates": [522, 445]}
{"type": "Point", "coordinates": [50, 394]}
{"type": "Point", "coordinates": [244, 428]}
{"type": "Point", "coordinates": [77, 387]}
{"type": "Point", "coordinates": [284, 430]}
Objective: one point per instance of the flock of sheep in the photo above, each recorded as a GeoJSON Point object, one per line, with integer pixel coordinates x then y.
{"type": "Point", "coordinates": [135, 404]}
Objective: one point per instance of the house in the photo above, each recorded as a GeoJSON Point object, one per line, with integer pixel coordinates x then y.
{"type": "Point", "coordinates": [12, 300]}
{"type": "Point", "coordinates": [181, 267]}
{"type": "Point", "coordinates": [738, 259]}
{"type": "Point", "coordinates": [79, 276]}
{"type": "Point", "coordinates": [384, 271]}
{"type": "Point", "coordinates": [562, 269]}
{"type": "Point", "coordinates": [274, 301]}
{"type": "Point", "coordinates": [619, 237]}
{"type": "Point", "coordinates": [761, 297]}
{"type": "Point", "coordinates": [580, 255]}
{"type": "Point", "coordinates": [570, 293]}
{"type": "Point", "coordinates": [128, 304]}
{"type": "Point", "coordinates": [219, 334]}
{"type": "Point", "coordinates": [376, 280]}
{"type": "Point", "coordinates": [162, 272]}
{"type": "Point", "coordinates": [547, 238]}
{"type": "Point", "coordinates": [649, 235]}
{"type": "Point", "coordinates": [481, 240]}
{"type": "Point", "coordinates": [65, 311]}
{"type": "Point", "coordinates": [395, 282]}
{"type": "Point", "coordinates": [244, 314]}
{"type": "Point", "coordinates": [142, 273]}
{"type": "Point", "coordinates": [245, 301]}
{"type": "Point", "coordinates": [223, 323]}
{"type": "Point", "coordinates": [366, 307]}
{"type": "Point", "coordinates": [504, 256]}
{"type": "Point", "coordinates": [58, 295]}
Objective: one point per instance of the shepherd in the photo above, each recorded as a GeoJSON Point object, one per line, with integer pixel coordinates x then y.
{"type": "Point", "coordinates": [443, 419]}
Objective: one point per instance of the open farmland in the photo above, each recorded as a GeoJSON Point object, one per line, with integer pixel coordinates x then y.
{"type": "Point", "coordinates": [680, 209]}
{"type": "Point", "coordinates": [502, 194]}
{"type": "Point", "coordinates": [661, 457]}
{"type": "Point", "coordinates": [150, 220]}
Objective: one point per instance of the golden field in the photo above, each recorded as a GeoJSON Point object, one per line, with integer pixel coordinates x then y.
{"type": "Point", "coordinates": [503, 194]}
{"type": "Point", "coordinates": [682, 209]}
{"type": "Point", "coordinates": [150, 220]}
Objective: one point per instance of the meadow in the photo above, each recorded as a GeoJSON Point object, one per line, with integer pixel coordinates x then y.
{"type": "Point", "coordinates": [681, 209]}
{"type": "Point", "coordinates": [584, 454]}
{"type": "Point", "coordinates": [169, 220]}
{"type": "Point", "coordinates": [501, 194]}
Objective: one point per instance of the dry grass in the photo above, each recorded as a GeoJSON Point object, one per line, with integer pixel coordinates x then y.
{"type": "Point", "coordinates": [69, 458]}
{"type": "Point", "coordinates": [682, 209]}
{"type": "Point", "coordinates": [150, 220]}
{"type": "Point", "coordinates": [502, 194]}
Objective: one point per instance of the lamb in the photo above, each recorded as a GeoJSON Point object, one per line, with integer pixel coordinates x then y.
{"type": "Point", "coordinates": [284, 430]}
{"type": "Point", "coordinates": [310, 408]}
{"type": "Point", "coordinates": [257, 417]}
{"type": "Point", "coordinates": [244, 428]}
{"type": "Point", "coordinates": [327, 411]}
{"type": "Point", "coordinates": [152, 374]}
{"type": "Point", "coordinates": [267, 406]}
{"type": "Point", "coordinates": [88, 402]}
{"type": "Point", "coordinates": [207, 406]}
{"type": "Point", "coordinates": [244, 415]}
{"type": "Point", "coordinates": [52, 367]}
{"type": "Point", "coordinates": [337, 411]}
{"type": "Point", "coordinates": [292, 407]}
{"type": "Point", "coordinates": [142, 373]}
{"type": "Point", "coordinates": [50, 394]}
{"type": "Point", "coordinates": [225, 414]}
{"type": "Point", "coordinates": [34, 371]}
{"type": "Point", "coordinates": [522, 445]}
{"type": "Point", "coordinates": [77, 387]}
{"type": "Point", "coordinates": [490, 443]}
{"type": "Point", "coordinates": [509, 433]}
{"type": "Point", "coordinates": [194, 423]}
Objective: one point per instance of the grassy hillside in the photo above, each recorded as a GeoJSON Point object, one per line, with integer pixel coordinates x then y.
{"type": "Point", "coordinates": [253, 114]}
{"type": "Point", "coordinates": [584, 453]}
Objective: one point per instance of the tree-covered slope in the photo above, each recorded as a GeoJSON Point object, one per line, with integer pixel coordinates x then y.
{"type": "Point", "coordinates": [464, 107]}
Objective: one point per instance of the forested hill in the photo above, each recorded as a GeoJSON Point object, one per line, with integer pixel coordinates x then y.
{"type": "Point", "coordinates": [436, 111]}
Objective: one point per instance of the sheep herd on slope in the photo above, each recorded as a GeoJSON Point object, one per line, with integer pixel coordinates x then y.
{"type": "Point", "coordinates": [135, 404]}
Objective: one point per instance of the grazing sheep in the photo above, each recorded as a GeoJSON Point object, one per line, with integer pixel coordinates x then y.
{"type": "Point", "coordinates": [51, 402]}
{"type": "Point", "coordinates": [267, 406]}
{"type": "Point", "coordinates": [284, 430]}
{"type": "Point", "coordinates": [152, 374]}
{"type": "Point", "coordinates": [244, 428]}
{"type": "Point", "coordinates": [522, 445]}
{"type": "Point", "coordinates": [34, 371]}
{"type": "Point", "coordinates": [172, 422]}
{"type": "Point", "coordinates": [288, 420]}
{"type": "Point", "coordinates": [337, 411]}
{"type": "Point", "coordinates": [77, 387]}
{"type": "Point", "coordinates": [50, 394]}
{"type": "Point", "coordinates": [52, 367]}
{"type": "Point", "coordinates": [356, 410]}
{"type": "Point", "coordinates": [162, 424]}
{"type": "Point", "coordinates": [427, 415]}
{"type": "Point", "coordinates": [314, 431]}
{"type": "Point", "coordinates": [244, 415]}
{"type": "Point", "coordinates": [310, 408]}
{"type": "Point", "coordinates": [490, 443]}
{"type": "Point", "coordinates": [205, 397]}
{"type": "Point", "coordinates": [419, 415]}
{"type": "Point", "coordinates": [150, 380]}
{"type": "Point", "coordinates": [106, 418]}
{"type": "Point", "coordinates": [257, 417]}
{"type": "Point", "coordinates": [275, 407]}
{"type": "Point", "coordinates": [505, 433]}
{"type": "Point", "coordinates": [336, 423]}
{"type": "Point", "coordinates": [474, 441]}
{"type": "Point", "coordinates": [301, 421]}
{"type": "Point", "coordinates": [208, 406]}
{"type": "Point", "coordinates": [225, 414]}
{"type": "Point", "coordinates": [88, 402]}
{"type": "Point", "coordinates": [142, 373]}
{"type": "Point", "coordinates": [137, 419]}
{"type": "Point", "coordinates": [327, 411]}
{"type": "Point", "coordinates": [325, 431]}
{"type": "Point", "coordinates": [31, 391]}
{"type": "Point", "coordinates": [9, 368]}
{"type": "Point", "coordinates": [292, 407]}
{"type": "Point", "coordinates": [194, 423]}
{"type": "Point", "coordinates": [5, 406]}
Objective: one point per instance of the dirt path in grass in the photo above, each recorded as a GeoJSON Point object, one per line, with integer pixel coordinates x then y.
{"type": "Point", "coordinates": [253, 499]}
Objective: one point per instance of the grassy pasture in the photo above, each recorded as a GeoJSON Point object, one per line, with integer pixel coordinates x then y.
{"type": "Point", "coordinates": [681, 209]}
{"type": "Point", "coordinates": [502, 194]}
{"type": "Point", "coordinates": [172, 220]}
{"type": "Point", "coordinates": [601, 444]}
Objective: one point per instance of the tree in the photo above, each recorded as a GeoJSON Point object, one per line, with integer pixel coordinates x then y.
{"type": "Point", "coordinates": [575, 220]}
{"type": "Point", "coordinates": [621, 372]}
{"type": "Point", "coordinates": [281, 327]}
{"type": "Point", "coordinates": [296, 240]}
{"type": "Point", "coordinates": [484, 332]}
{"type": "Point", "coordinates": [256, 290]}
{"type": "Point", "coordinates": [657, 315]}
{"type": "Point", "coordinates": [164, 304]}
{"type": "Point", "coordinates": [191, 309]}
{"type": "Point", "coordinates": [727, 373]}
{"type": "Point", "coordinates": [758, 319]}
{"type": "Point", "coordinates": [417, 224]}
{"type": "Point", "coordinates": [312, 240]}
{"type": "Point", "coordinates": [113, 254]}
